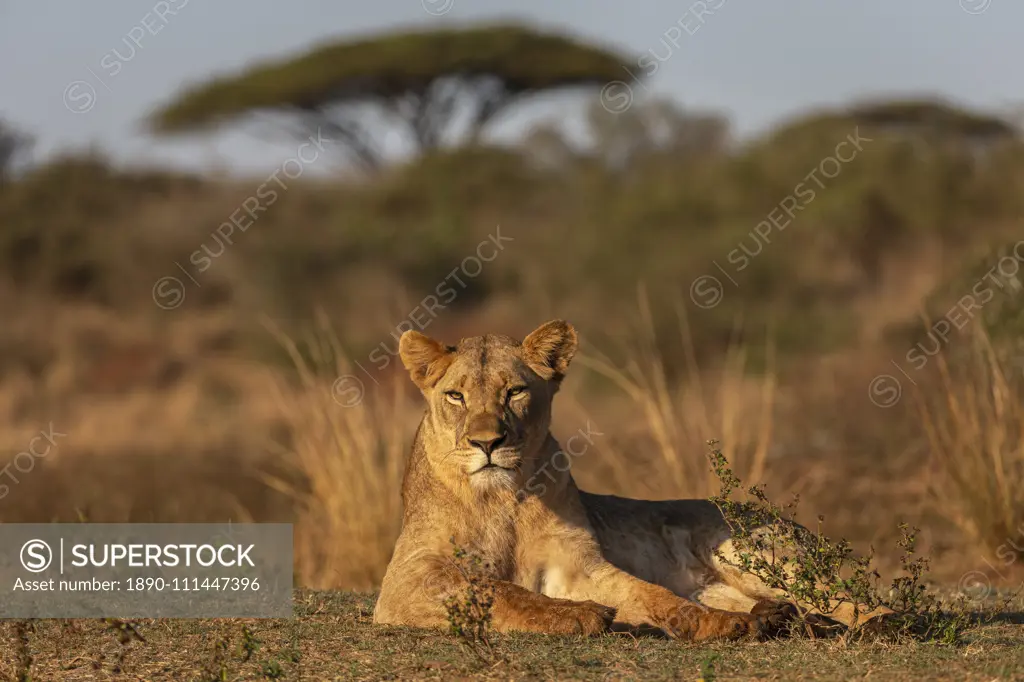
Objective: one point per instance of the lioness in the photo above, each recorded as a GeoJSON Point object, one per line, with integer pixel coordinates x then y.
{"type": "Point", "coordinates": [559, 560]}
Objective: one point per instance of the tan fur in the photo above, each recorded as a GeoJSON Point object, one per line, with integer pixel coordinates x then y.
{"type": "Point", "coordinates": [560, 560]}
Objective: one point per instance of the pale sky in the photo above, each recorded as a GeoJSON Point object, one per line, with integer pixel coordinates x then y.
{"type": "Point", "coordinates": [757, 61]}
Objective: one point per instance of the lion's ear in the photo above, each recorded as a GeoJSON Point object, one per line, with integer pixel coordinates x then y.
{"type": "Point", "coordinates": [549, 349]}
{"type": "Point", "coordinates": [426, 359]}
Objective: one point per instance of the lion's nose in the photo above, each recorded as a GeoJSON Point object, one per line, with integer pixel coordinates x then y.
{"type": "Point", "coordinates": [487, 443]}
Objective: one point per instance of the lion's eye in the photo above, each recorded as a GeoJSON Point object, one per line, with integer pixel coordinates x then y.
{"type": "Point", "coordinates": [454, 397]}
{"type": "Point", "coordinates": [516, 392]}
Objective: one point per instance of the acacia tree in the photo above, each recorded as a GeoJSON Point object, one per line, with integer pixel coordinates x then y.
{"type": "Point", "coordinates": [434, 85]}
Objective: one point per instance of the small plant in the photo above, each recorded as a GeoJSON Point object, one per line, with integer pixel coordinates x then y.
{"type": "Point", "coordinates": [216, 670]}
{"type": "Point", "coordinates": [272, 670]}
{"type": "Point", "coordinates": [707, 668]}
{"type": "Point", "coordinates": [469, 613]}
{"type": "Point", "coordinates": [126, 632]}
{"type": "Point", "coordinates": [22, 633]}
{"type": "Point", "coordinates": [821, 576]}
{"type": "Point", "coordinates": [249, 643]}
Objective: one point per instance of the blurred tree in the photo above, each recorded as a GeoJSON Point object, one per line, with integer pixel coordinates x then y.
{"type": "Point", "coordinates": [13, 147]}
{"type": "Point", "coordinates": [934, 118]}
{"type": "Point", "coordinates": [655, 126]}
{"type": "Point", "coordinates": [647, 128]}
{"type": "Point", "coordinates": [426, 83]}
{"type": "Point", "coordinates": [547, 146]}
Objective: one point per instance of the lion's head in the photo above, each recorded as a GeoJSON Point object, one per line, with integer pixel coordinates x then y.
{"type": "Point", "coordinates": [488, 400]}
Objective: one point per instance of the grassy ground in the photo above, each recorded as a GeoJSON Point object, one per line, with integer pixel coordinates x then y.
{"type": "Point", "coordinates": [332, 637]}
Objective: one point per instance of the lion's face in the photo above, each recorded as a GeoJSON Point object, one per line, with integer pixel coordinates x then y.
{"type": "Point", "coordinates": [489, 399]}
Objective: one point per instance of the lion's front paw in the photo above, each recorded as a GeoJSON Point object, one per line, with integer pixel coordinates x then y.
{"type": "Point", "coordinates": [583, 618]}
{"type": "Point", "coordinates": [728, 625]}
{"type": "Point", "coordinates": [693, 622]}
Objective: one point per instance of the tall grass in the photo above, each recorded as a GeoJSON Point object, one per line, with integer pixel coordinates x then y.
{"type": "Point", "coordinates": [680, 417]}
{"type": "Point", "coordinates": [351, 455]}
{"type": "Point", "coordinates": [975, 429]}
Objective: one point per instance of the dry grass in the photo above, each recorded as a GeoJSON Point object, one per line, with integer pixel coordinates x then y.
{"type": "Point", "coordinates": [167, 421]}
{"type": "Point", "coordinates": [333, 637]}
{"type": "Point", "coordinates": [350, 449]}
{"type": "Point", "coordinates": [160, 420]}
{"type": "Point", "coordinates": [679, 419]}
{"type": "Point", "coordinates": [975, 428]}
{"type": "Point", "coordinates": [200, 443]}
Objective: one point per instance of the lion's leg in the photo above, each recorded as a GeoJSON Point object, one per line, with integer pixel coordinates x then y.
{"type": "Point", "coordinates": [418, 599]}
{"type": "Point", "coordinates": [642, 604]}
{"type": "Point", "coordinates": [518, 609]}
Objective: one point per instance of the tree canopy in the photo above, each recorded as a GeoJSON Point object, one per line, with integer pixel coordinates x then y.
{"type": "Point", "coordinates": [427, 82]}
{"type": "Point", "coordinates": [933, 115]}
